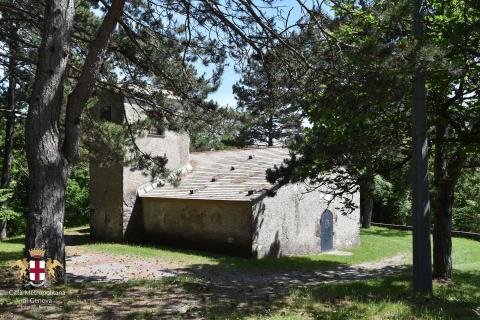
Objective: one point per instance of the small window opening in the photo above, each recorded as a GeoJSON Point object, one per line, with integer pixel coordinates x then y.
{"type": "Point", "coordinates": [106, 113]}
{"type": "Point", "coordinates": [158, 129]}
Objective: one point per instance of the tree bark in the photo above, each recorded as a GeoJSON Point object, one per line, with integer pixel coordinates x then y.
{"type": "Point", "coordinates": [270, 140]}
{"type": "Point", "coordinates": [48, 170]}
{"type": "Point", "coordinates": [270, 132]}
{"type": "Point", "coordinates": [3, 229]}
{"type": "Point", "coordinates": [445, 178]}
{"type": "Point", "coordinates": [422, 257]}
{"type": "Point", "coordinates": [9, 129]}
{"type": "Point", "coordinates": [366, 201]}
{"type": "Point", "coordinates": [49, 160]}
{"type": "Point", "coordinates": [442, 231]}
{"type": "Point", "coordinates": [77, 100]}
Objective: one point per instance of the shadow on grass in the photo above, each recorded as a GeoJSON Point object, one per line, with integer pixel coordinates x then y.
{"type": "Point", "coordinates": [227, 288]}
{"type": "Point", "coordinates": [277, 264]}
{"type": "Point", "coordinates": [186, 297]}
{"type": "Point", "coordinates": [85, 230]}
{"type": "Point", "coordinates": [78, 239]}
{"type": "Point", "coordinates": [15, 240]}
{"type": "Point", "coordinates": [456, 300]}
{"type": "Point", "coordinates": [8, 257]}
{"type": "Point", "coordinates": [384, 232]}
{"type": "Point", "coordinates": [7, 271]}
{"type": "Point", "coordinates": [316, 262]}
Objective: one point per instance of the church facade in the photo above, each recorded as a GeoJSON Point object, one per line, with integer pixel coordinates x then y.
{"type": "Point", "coordinates": [218, 200]}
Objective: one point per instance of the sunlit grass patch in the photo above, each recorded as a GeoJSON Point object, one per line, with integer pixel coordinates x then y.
{"type": "Point", "coordinates": [388, 298]}
{"type": "Point", "coordinates": [376, 244]}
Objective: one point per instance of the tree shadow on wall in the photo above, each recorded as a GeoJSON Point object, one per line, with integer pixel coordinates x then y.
{"type": "Point", "coordinates": [274, 250]}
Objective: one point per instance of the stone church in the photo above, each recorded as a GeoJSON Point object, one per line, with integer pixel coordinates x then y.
{"type": "Point", "coordinates": [216, 200]}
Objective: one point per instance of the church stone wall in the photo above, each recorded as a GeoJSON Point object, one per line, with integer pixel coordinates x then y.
{"type": "Point", "coordinates": [116, 208]}
{"type": "Point", "coordinates": [174, 146]}
{"type": "Point", "coordinates": [106, 184]}
{"type": "Point", "coordinates": [106, 202]}
{"type": "Point", "coordinates": [347, 226]}
{"type": "Point", "coordinates": [219, 226]}
{"type": "Point", "coordinates": [285, 224]}
{"type": "Point", "coordinates": [289, 223]}
{"type": "Point", "coordinates": [115, 104]}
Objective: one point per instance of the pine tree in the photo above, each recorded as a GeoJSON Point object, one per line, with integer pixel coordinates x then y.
{"type": "Point", "coordinates": [75, 51]}
{"type": "Point", "coordinates": [263, 94]}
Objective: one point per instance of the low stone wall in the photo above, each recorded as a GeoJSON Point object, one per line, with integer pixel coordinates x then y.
{"type": "Point", "coordinates": [459, 234]}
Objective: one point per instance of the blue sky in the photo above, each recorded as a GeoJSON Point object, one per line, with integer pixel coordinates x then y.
{"type": "Point", "coordinates": [224, 95]}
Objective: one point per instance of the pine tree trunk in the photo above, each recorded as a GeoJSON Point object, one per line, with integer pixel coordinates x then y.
{"type": "Point", "coordinates": [442, 231]}
{"type": "Point", "coordinates": [446, 176]}
{"type": "Point", "coordinates": [270, 132]}
{"type": "Point", "coordinates": [3, 229]}
{"type": "Point", "coordinates": [48, 170]}
{"type": "Point", "coordinates": [47, 205]}
{"type": "Point", "coordinates": [9, 128]}
{"type": "Point", "coordinates": [366, 202]}
{"type": "Point", "coordinates": [50, 160]}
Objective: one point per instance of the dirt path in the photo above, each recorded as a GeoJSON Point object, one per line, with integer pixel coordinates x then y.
{"type": "Point", "coordinates": [110, 267]}
{"type": "Point", "coordinates": [213, 290]}
{"type": "Point", "coordinates": [85, 265]}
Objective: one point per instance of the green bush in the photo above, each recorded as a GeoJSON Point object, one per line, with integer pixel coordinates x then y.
{"type": "Point", "coordinates": [77, 198]}
{"type": "Point", "coordinates": [466, 206]}
{"type": "Point", "coordinates": [77, 201]}
{"type": "Point", "coordinates": [18, 203]}
{"type": "Point", "coordinates": [391, 201]}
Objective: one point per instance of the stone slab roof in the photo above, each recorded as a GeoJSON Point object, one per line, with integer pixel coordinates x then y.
{"type": "Point", "coordinates": [235, 175]}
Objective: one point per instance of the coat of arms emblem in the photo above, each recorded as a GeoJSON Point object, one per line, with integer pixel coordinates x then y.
{"type": "Point", "coordinates": [38, 270]}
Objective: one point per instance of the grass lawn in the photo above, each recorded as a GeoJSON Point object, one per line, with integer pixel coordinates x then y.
{"type": "Point", "coordinates": [376, 244]}
{"type": "Point", "coordinates": [189, 297]}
